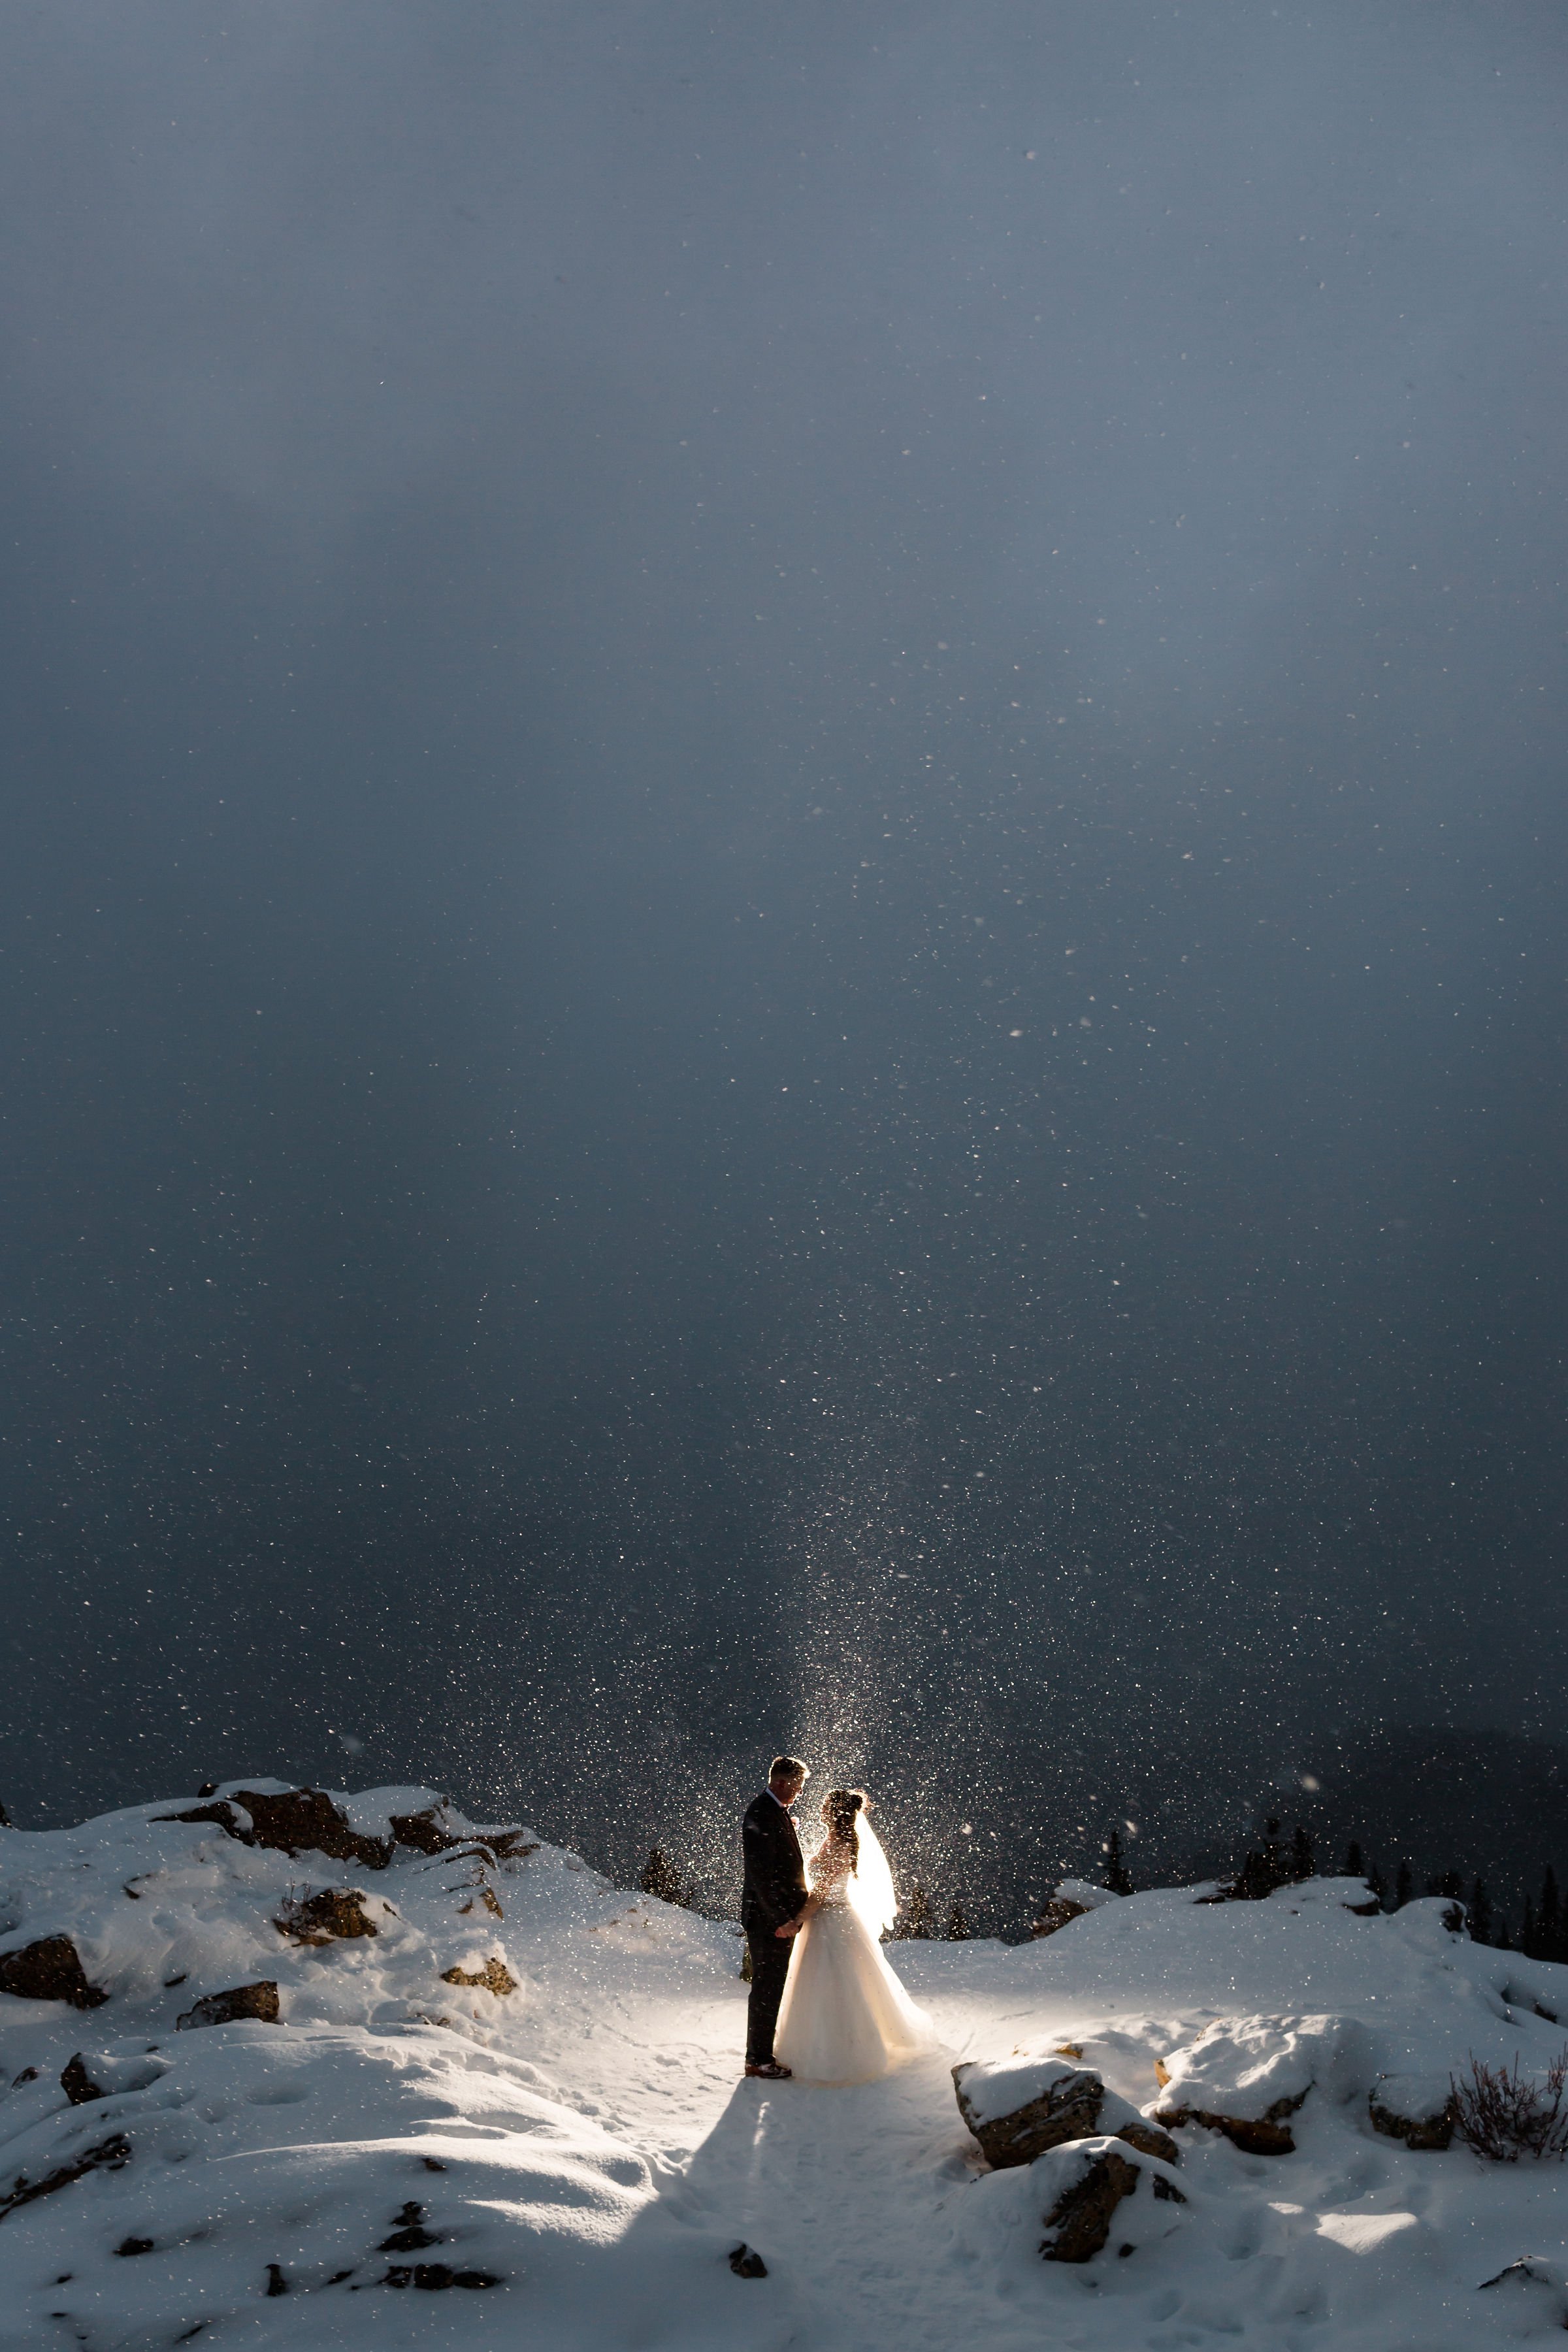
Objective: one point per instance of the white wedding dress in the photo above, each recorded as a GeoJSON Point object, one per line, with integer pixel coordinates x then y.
{"type": "Point", "coordinates": [845, 2017]}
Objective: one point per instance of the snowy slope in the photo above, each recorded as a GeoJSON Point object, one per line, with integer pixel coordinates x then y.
{"type": "Point", "coordinates": [571, 2162]}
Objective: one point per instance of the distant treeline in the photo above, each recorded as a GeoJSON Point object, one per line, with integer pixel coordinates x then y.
{"type": "Point", "coordinates": [1541, 1931]}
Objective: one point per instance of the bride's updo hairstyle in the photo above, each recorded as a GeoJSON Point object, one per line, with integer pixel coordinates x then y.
{"type": "Point", "coordinates": [839, 1809]}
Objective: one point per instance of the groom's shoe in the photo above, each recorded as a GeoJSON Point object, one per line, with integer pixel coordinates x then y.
{"type": "Point", "coordinates": [770, 2070]}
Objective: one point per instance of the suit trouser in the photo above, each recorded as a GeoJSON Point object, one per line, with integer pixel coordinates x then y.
{"type": "Point", "coordinates": [770, 1966]}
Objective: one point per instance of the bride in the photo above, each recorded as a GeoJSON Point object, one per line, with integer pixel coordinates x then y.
{"type": "Point", "coordinates": [845, 2017]}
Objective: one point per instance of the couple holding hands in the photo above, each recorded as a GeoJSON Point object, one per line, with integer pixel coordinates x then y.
{"type": "Point", "coordinates": [825, 2006]}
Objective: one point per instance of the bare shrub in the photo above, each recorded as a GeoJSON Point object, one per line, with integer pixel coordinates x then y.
{"type": "Point", "coordinates": [1505, 2115]}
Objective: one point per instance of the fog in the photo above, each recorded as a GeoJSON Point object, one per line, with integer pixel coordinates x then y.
{"type": "Point", "coordinates": [781, 942]}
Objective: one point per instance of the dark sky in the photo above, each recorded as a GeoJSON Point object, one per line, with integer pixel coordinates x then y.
{"type": "Point", "coordinates": [782, 959]}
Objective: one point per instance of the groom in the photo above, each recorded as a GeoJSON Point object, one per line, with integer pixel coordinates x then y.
{"type": "Point", "coordinates": [772, 1900]}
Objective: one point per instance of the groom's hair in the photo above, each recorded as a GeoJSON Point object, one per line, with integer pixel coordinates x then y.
{"type": "Point", "coordinates": [788, 1768]}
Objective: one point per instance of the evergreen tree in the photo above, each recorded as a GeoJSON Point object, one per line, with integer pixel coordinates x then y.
{"type": "Point", "coordinates": [1302, 1865]}
{"type": "Point", "coordinates": [1404, 1887]}
{"type": "Point", "coordinates": [1526, 1931]}
{"type": "Point", "coordinates": [1264, 1869]}
{"type": "Point", "coordinates": [1480, 1912]}
{"type": "Point", "coordinates": [1500, 1935]}
{"type": "Point", "coordinates": [957, 1925]}
{"type": "Point", "coordinates": [914, 1920]}
{"type": "Point", "coordinates": [1354, 1866]}
{"type": "Point", "coordinates": [1118, 1877]}
{"type": "Point", "coordinates": [1447, 1883]}
{"type": "Point", "coordinates": [1379, 1885]}
{"type": "Point", "coordinates": [660, 1879]}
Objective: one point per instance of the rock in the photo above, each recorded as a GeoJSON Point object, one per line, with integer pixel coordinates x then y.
{"type": "Point", "coordinates": [512, 1845]}
{"type": "Point", "coordinates": [50, 1969]}
{"type": "Point", "coordinates": [1070, 1898]}
{"type": "Point", "coordinates": [1085, 2182]}
{"type": "Point", "coordinates": [1420, 2109]}
{"type": "Point", "coordinates": [1543, 2285]}
{"type": "Point", "coordinates": [430, 1831]}
{"type": "Point", "coordinates": [108, 2156]}
{"type": "Point", "coordinates": [106, 2073]}
{"type": "Point", "coordinates": [258, 2001]}
{"type": "Point", "coordinates": [1078, 2223]}
{"type": "Point", "coordinates": [75, 2083]}
{"type": "Point", "coordinates": [433, 2276]}
{"type": "Point", "coordinates": [306, 1820]}
{"type": "Point", "coordinates": [746, 2263]}
{"type": "Point", "coordinates": [425, 1830]}
{"type": "Point", "coordinates": [494, 1977]}
{"type": "Point", "coordinates": [291, 1820]}
{"type": "Point", "coordinates": [1056, 1913]}
{"type": "Point", "coordinates": [1269, 2134]}
{"type": "Point", "coordinates": [490, 1900]}
{"type": "Point", "coordinates": [1247, 2076]}
{"type": "Point", "coordinates": [335, 1913]}
{"type": "Point", "coordinates": [1020, 2107]}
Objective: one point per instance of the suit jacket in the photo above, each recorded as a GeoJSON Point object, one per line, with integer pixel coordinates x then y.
{"type": "Point", "coordinates": [775, 1886]}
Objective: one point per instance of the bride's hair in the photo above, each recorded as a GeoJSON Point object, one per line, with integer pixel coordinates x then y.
{"type": "Point", "coordinates": [839, 1809]}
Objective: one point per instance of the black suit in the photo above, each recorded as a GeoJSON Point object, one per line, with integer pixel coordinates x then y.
{"type": "Point", "coordinates": [774, 1890]}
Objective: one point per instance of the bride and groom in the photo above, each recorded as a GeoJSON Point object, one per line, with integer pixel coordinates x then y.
{"type": "Point", "coordinates": [825, 2005]}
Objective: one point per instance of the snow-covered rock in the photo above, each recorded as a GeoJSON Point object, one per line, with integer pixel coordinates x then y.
{"type": "Point", "coordinates": [1420, 2109]}
{"type": "Point", "coordinates": [1535, 2296]}
{"type": "Point", "coordinates": [48, 1969]}
{"type": "Point", "coordinates": [1069, 2205]}
{"type": "Point", "coordinates": [1084, 2187]}
{"type": "Point", "coordinates": [1246, 2076]}
{"type": "Point", "coordinates": [1070, 1899]}
{"type": "Point", "coordinates": [1018, 2107]}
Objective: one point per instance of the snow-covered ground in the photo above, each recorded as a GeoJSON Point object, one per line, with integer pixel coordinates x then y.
{"type": "Point", "coordinates": [570, 2163]}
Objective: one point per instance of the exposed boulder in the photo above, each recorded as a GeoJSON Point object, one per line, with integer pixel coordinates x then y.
{"type": "Point", "coordinates": [432, 1829]}
{"type": "Point", "coordinates": [50, 1970]}
{"type": "Point", "coordinates": [104, 2073]}
{"type": "Point", "coordinates": [257, 2001]}
{"type": "Point", "coordinates": [511, 1845]}
{"type": "Point", "coordinates": [293, 1821]}
{"type": "Point", "coordinates": [1070, 1898]}
{"type": "Point", "coordinates": [1085, 2182]}
{"type": "Point", "coordinates": [1247, 2076]}
{"type": "Point", "coordinates": [1020, 2108]}
{"type": "Point", "coordinates": [306, 1820]}
{"type": "Point", "coordinates": [494, 1977]}
{"type": "Point", "coordinates": [78, 2083]}
{"type": "Point", "coordinates": [1058, 1912]}
{"type": "Point", "coordinates": [1420, 2109]}
{"type": "Point", "coordinates": [333, 1914]}
{"type": "Point", "coordinates": [429, 1831]}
